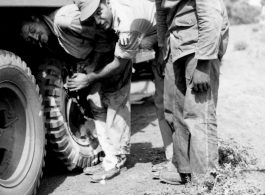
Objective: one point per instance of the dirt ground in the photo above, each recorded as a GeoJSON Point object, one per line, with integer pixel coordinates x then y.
{"type": "Point", "coordinates": [241, 111]}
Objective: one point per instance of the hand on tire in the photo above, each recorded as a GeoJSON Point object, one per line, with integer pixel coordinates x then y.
{"type": "Point", "coordinates": [78, 81]}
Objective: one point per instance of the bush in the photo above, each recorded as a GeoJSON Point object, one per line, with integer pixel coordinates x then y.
{"type": "Point", "coordinates": [241, 12]}
{"type": "Point", "coordinates": [240, 46]}
{"type": "Point", "coordinates": [228, 178]}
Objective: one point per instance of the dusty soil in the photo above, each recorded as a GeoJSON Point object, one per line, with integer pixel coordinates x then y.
{"type": "Point", "coordinates": [241, 106]}
{"type": "Point", "coordinates": [241, 111]}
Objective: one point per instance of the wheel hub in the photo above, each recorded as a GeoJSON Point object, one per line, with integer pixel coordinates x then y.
{"type": "Point", "coordinates": [12, 132]}
{"type": "Point", "coordinates": [75, 121]}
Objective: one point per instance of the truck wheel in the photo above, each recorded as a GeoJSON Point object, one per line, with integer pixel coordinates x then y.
{"type": "Point", "coordinates": [22, 133]}
{"type": "Point", "coordinates": [62, 118]}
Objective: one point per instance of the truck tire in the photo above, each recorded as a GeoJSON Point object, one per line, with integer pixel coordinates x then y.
{"type": "Point", "coordinates": [61, 116]}
{"type": "Point", "coordinates": [22, 133]}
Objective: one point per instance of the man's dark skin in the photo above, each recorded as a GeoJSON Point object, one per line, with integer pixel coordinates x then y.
{"type": "Point", "coordinates": [37, 32]}
{"type": "Point", "coordinates": [84, 80]}
{"type": "Point", "coordinates": [200, 77]}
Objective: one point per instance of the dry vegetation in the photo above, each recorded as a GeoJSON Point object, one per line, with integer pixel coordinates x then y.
{"type": "Point", "coordinates": [229, 177]}
{"type": "Point", "coordinates": [241, 121]}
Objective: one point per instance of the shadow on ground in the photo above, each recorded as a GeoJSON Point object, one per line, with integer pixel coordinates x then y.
{"type": "Point", "coordinates": [143, 115]}
{"type": "Point", "coordinates": [144, 153]}
{"type": "Point", "coordinates": [54, 174]}
{"type": "Point", "coordinates": [58, 180]}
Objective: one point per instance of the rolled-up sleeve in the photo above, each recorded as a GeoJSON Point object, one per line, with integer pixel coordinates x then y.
{"type": "Point", "coordinates": [209, 13]}
{"type": "Point", "coordinates": [161, 16]}
{"type": "Point", "coordinates": [129, 50]}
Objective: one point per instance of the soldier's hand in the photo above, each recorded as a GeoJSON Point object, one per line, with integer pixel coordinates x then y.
{"type": "Point", "coordinates": [201, 76]}
{"type": "Point", "coordinates": [78, 81]}
{"type": "Point", "coordinates": [124, 39]}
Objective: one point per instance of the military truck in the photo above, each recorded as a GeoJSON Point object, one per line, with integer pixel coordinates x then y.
{"type": "Point", "coordinates": [34, 107]}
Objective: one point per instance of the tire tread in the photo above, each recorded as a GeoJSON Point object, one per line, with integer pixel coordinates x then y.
{"type": "Point", "coordinates": [50, 76]}
{"type": "Point", "coordinates": [10, 59]}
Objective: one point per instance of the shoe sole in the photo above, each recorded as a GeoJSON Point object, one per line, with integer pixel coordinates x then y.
{"type": "Point", "coordinates": [158, 170]}
{"type": "Point", "coordinates": [92, 172]}
{"type": "Point", "coordinates": [97, 181]}
{"type": "Point", "coordinates": [156, 176]}
{"type": "Point", "coordinates": [170, 182]}
{"type": "Point", "coordinates": [122, 168]}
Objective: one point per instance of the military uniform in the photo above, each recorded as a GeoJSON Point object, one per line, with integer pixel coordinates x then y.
{"type": "Point", "coordinates": [197, 30]}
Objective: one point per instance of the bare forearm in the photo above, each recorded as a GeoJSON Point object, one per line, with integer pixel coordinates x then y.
{"type": "Point", "coordinates": [161, 23]}
{"type": "Point", "coordinates": [111, 69]}
{"type": "Point", "coordinates": [82, 80]}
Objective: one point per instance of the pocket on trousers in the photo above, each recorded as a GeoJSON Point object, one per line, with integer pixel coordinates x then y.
{"type": "Point", "coordinates": [190, 67]}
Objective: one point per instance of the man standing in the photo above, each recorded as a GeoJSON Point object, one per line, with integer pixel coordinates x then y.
{"type": "Point", "coordinates": [135, 23]}
{"type": "Point", "coordinates": [197, 41]}
{"type": "Point", "coordinates": [158, 70]}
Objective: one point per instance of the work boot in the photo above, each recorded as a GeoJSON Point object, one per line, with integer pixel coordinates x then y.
{"type": "Point", "coordinates": [174, 178]}
{"type": "Point", "coordinates": [160, 166]}
{"type": "Point", "coordinates": [156, 175]}
{"type": "Point", "coordinates": [109, 174]}
{"type": "Point", "coordinates": [166, 166]}
{"type": "Point", "coordinates": [121, 161]}
{"type": "Point", "coordinates": [105, 175]}
{"type": "Point", "coordinates": [93, 169]}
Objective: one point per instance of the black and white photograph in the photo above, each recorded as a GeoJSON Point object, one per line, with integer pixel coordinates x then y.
{"type": "Point", "coordinates": [132, 97]}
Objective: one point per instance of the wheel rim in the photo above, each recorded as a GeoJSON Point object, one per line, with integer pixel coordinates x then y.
{"type": "Point", "coordinates": [17, 135]}
{"type": "Point", "coordinates": [74, 116]}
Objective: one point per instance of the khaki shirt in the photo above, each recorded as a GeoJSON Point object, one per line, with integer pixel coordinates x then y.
{"type": "Point", "coordinates": [133, 20]}
{"type": "Point", "coordinates": [78, 39]}
{"type": "Point", "coordinates": [196, 26]}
